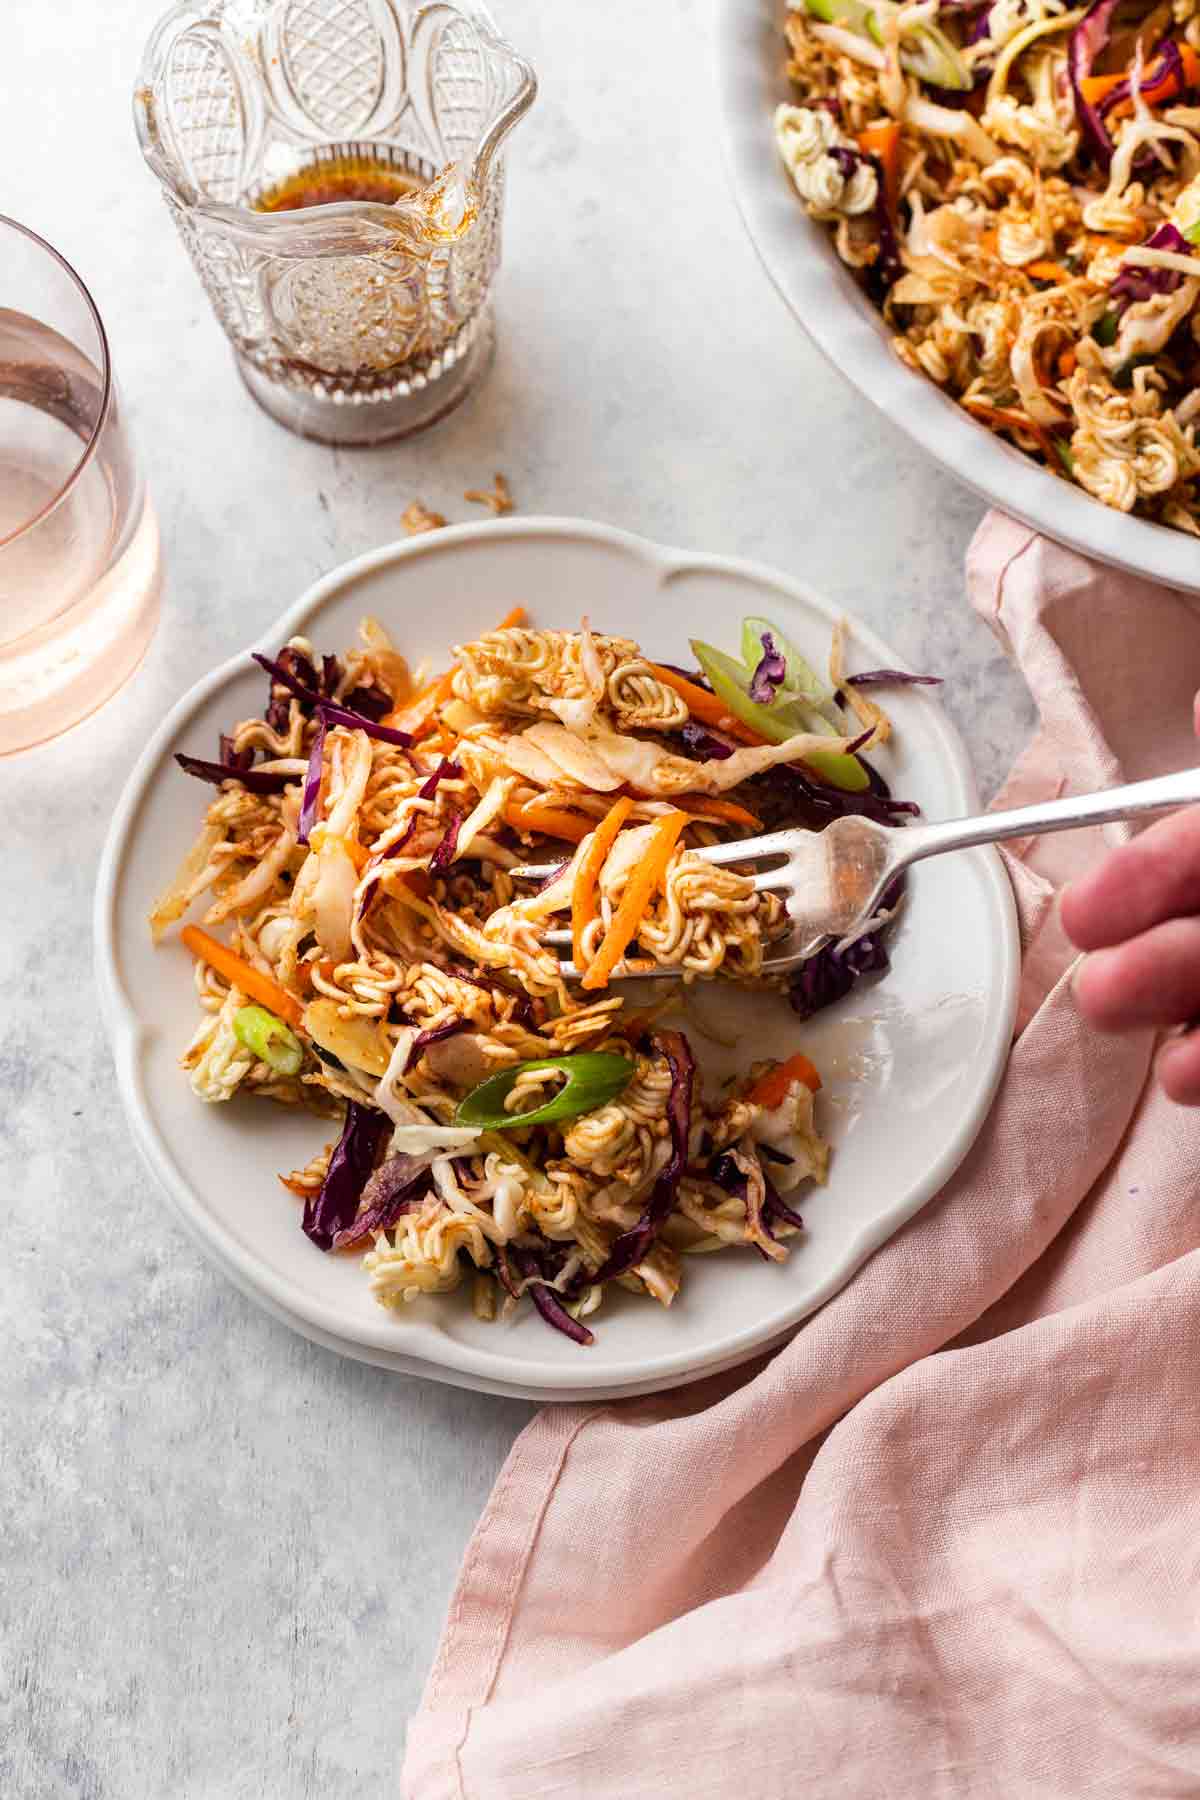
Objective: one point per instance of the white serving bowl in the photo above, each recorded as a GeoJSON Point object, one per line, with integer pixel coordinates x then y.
{"type": "Point", "coordinates": [800, 258]}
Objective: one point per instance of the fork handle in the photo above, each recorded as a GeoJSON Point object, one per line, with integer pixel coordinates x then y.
{"type": "Point", "coordinates": [1159, 794]}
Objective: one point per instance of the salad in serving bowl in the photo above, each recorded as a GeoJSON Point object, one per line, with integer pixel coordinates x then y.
{"type": "Point", "coordinates": [1017, 186]}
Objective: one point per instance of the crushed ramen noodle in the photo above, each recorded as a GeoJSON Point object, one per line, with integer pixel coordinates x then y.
{"type": "Point", "coordinates": [1017, 185]}
{"type": "Point", "coordinates": [363, 949]}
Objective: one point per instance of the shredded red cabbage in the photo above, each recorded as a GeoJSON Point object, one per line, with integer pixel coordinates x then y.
{"type": "Point", "coordinates": [443, 856]}
{"type": "Point", "coordinates": [891, 678]}
{"type": "Point", "coordinates": [387, 734]}
{"type": "Point", "coordinates": [729, 1175]}
{"type": "Point", "coordinates": [423, 1039]}
{"type": "Point", "coordinates": [504, 1274]}
{"type": "Point", "coordinates": [887, 267]}
{"type": "Point", "coordinates": [1088, 39]}
{"type": "Point", "coordinates": [768, 676]}
{"type": "Point", "coordinates": [445, 771]}
{"type": "Point", "coordinates": [231, 758]}
{"type": "Point", "coordinates": [397, 1185]}
{"type": "Point", "coordinates": [337, 715]}
{"type": "Point", "coordinates": [633, 1244]}
{"type": "Point", "coordinates": [788, 795]}
{"type": "Point", "coordinates": [552, 877]}
{"type": "Point", "coordinates": [980, 29]}
{"type": "Point", "coordinates": [546, 1300]}
{"type": "Point", "coordinates": [704, 745]}
{"type": "Point", "coordinates": [1169, 62]}
{"type": "Point", "coordinates": [1134, 283]}
{"type": "Point", "coordinates": [695, 676]}
{"type": "Point", "coordinates": [294, 672]}
{"type": "Point", "coordinates": [774, 1205]}
{"type": "Point", "coordinates": [312, 782]}
{"type": "Point", "coordinates": [830, 974]}
{"type": "Point", "coordinates": [350, 1168]}
{"type": "Point", "coordinates": [416, 819]}
{"type": "Point", "coordinates": [255, 781]}
{"type": "Point", "coordinates": [785, 796]}
{"type": "Point", "coordinates": [297, 674]}
{"type": "Point", "coordinates": [371, 702]}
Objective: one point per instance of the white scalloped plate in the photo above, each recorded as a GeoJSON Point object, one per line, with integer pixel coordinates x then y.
{"type": "Point", "coordinates": [800, 258]}
{"type": "Point", "coordinates": [910, 1067]}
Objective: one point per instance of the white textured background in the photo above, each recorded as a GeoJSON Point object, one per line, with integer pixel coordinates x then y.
{"type": "Point", "coordinates": [224, 1554]}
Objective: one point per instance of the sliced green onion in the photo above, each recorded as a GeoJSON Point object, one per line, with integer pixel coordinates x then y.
{"type": "Point", "coordinates": [1063, 452]}
{"type": "Point", "coordinates": [932, 58]}
{"type": "Point", "coordinates": [841, 12]}
{"type": "Point", "coordinates": [1105, 329]}
{"type": "Point", "coordinates": [269, 1038]}
{"type": "Point", "coordinates": [801, 680]}
{"type": "Point", "coordinates": [925, 51]}
{"type": "Point", "coordinates": [730, 682]}
{"type": "Point", "coordinates": [845, 772]}
{"type": "Point", "coordinates": [593, 1079]}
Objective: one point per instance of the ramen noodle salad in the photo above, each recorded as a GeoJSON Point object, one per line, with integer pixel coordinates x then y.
{"type": "Point", "coordinates": [365, 951]}
{"type": "Point", "coordinates": [1017, 185]}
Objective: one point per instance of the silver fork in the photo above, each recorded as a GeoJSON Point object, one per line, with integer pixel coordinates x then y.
{"type": "Point", "coordinates": [832, 881]}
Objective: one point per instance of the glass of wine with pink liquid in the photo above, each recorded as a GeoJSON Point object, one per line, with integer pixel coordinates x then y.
{"type": "Point", "coordinates": [79, 552]}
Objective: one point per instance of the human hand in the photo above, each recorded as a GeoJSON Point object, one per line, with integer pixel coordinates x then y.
{"type": "Point", "coordinates": [1137, 914]}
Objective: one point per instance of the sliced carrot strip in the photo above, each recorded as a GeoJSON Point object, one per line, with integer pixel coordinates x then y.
{"type": "Point", "coordinates": [1096, 243]}
{"type": "Point", "coordinates": [883, 141]}
{"type": "Point", "coordinates": [1047, 271]}
{"type": "Point", "coordinates": [583, 894]}
{"type": "Point", "coordinates": [1004, 419]}
{"type": "Point", "coordinates": [770, 1090]}
{"type": "Point", "coordinates": [358, 853]}
{"type": "Point", "coordinates": [239, 973]}
{"type": "Point", "coordinates": [294, 1187]}
{"type": "Point", "coordinates": [1095, 88]}
{"type": "Point", "coordinates": [706, 808]}
{"type": "Point", "coordinates": [705, 706]}
{"type": "Point", "coordinates": [551, 821]}
{"type": "Point", "coordinates": [442, 739]}
{"type": "Point", "coordinates": [1066, 363]}
{"type": "Point", "coordinates": [634, 901]}
{"type": "Point", "coordinates": [422, 706]}
{"type": "Point", "coordinates": [517, 616]}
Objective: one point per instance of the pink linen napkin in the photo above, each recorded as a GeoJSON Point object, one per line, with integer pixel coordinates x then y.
{"type": "Point", "coordinates": [947, 1541]}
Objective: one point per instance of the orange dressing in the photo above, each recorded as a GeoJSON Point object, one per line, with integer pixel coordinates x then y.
{"type": "Point", "coordinates": [342, 178]}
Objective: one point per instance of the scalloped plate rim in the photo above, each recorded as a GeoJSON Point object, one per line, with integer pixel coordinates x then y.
{"type": "Point", "coordinates": [454, 1361]}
